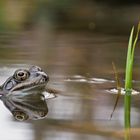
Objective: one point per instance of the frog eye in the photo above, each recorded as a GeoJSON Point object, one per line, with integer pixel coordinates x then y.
{"type": "Point", "coordinates": [20, 116]}
{"type": "Point", "coordinates": [21, 75]}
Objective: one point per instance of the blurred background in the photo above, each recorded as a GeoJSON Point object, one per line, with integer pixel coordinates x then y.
{"type": "Point", "coordinates": [75, 42]}
{"type": "Point", "coordinates": [29, 27]}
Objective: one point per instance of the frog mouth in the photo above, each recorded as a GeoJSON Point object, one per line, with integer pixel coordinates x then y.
{"type": "Point", "coordinates": [37, 82]}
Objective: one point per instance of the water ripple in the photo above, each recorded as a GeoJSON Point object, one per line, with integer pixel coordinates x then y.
{"type": "Point", "coordinates": [79, 78]}
{"type": "Point", "coordinates": [115, 91]}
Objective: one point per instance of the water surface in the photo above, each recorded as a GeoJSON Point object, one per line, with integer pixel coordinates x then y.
{"type": "Point", "coordinates": [79, 65]}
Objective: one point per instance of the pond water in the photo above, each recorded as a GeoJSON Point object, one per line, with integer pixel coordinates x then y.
{"type": "Point", "coordinates": [79, 65]}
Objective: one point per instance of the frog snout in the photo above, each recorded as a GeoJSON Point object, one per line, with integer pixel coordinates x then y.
{"type": "Point", "coordinates": [44, 76]}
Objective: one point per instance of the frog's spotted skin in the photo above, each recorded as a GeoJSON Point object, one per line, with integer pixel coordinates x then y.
{"type": "Point", "coordinates": [23, 93]}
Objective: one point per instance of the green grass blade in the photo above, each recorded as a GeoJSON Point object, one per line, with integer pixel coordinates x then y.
{"type": "Point", "coordinates": [128, 86]}
{"type": "Point", "coordinates": [128, 71]}
{"type": "Point", "coordinates": [135, 41]}
{"type": "Point", "coordinates": [128, 81]}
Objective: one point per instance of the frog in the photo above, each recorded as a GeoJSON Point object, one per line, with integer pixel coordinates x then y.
{"type": "Point", "coordinates": [25, 94]}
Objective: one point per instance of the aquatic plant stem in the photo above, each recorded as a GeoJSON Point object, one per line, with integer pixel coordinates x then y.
{"type": "Point", "coordinates": [127, 114]}
{"type": "Point", "coordinates": [118, 88]}
{"type": "Point", "coordinates": [128, 82]}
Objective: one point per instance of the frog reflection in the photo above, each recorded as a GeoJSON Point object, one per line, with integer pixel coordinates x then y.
{"type": "Point", "coordinates": [25, 94]}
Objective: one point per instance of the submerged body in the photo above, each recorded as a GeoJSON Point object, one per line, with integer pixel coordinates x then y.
{"type": "Point", "coordinates": [25, 95]}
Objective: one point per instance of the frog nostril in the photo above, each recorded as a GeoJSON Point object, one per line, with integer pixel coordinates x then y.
{"type": "Point", "coordinates": [45, 78]}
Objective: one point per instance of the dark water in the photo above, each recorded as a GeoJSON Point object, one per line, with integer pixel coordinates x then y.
{"type": "Point", "coordinates": [79, 65]}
